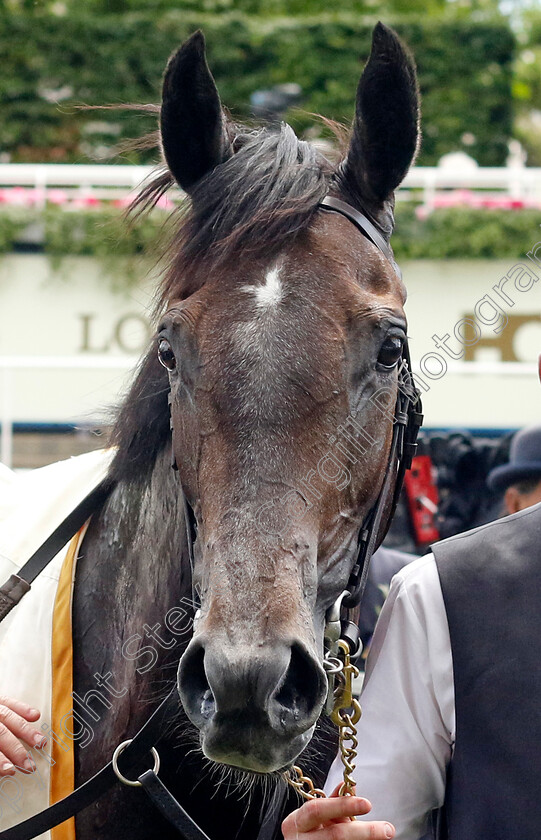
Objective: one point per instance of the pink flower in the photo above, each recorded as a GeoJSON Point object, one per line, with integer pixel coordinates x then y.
{"type": "Point", "coordinates": [16, 196]}
{"type": "Point", "coordinates": [125, 201]}
{"type": "Point", "coordinates": [84, 201]}
{"type": "Point", "coordinates": [57, 197]}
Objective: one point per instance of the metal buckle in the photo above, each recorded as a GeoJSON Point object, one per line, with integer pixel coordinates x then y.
{"type": "Point", "coordinates": [332, 624]}
{"type": "Point", "coordinates": [120, 749]}
{"type": "Point", "coordinates": [344, 699]}
{"type": "Point", "coordinates": [331, 662]}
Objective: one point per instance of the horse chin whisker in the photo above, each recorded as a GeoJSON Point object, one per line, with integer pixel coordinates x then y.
{"type": "Point", "coordinates": [243, 783]}
{"type": "Point", "coordinates": [227, 778]}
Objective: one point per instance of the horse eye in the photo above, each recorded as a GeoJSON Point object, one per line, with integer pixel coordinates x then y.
{"type": "Point", "coordinates": [390, 352]}
{"type": "Point", "coordinates": [166, 355]}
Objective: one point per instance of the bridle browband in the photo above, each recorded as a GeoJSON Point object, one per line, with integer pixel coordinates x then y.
{"type": "Point", "coordinates": [407, 421]}
{"type": "Point", "coordinates": [364, 224]}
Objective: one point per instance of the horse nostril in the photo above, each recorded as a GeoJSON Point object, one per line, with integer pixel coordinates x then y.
{"type": "Point", "coordinates": [281, 689]}
{"type": "Point", "coordinates": [194, 689]}
{"type": "Point", "coordinates": [302, 689]}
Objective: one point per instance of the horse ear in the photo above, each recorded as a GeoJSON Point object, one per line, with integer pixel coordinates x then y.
{"type": "Point", "coordinates": [192, 122]}
{"type": "Point", "coordinates": [386, 126]}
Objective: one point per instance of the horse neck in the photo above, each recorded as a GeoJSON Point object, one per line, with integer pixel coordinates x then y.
{"type": "Point", "coordinates": [133, 570]}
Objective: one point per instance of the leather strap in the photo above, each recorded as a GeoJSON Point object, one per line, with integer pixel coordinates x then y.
{"type": "Point", "coordinates": [18, 585]}
{"type": "Point", "coordinates": [407, 422]}
{"type": "Point", "coordinates": [166, 803]}
{"type": "Point", "coordinates": [369, 533]}
{"type": "Point", "coordinates": [11, 593]}
{"type": "Point", "coordinates": [364, 224]}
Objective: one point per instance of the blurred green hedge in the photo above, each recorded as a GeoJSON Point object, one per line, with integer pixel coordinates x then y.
{"type": "Point", "coordinates": [464, 233]}
{"type": "Point", "coordinates": [527, 85]}
{"type": "Point", "coordinates": [464, 70]}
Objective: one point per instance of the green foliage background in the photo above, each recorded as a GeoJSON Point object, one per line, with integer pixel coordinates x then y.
{"type": "Point", "coordinates": [527, 86]}
{"type": "Point", "coordinates": [465, 70]}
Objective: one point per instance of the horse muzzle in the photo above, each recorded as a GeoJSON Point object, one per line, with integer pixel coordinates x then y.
{"type": "Point", "coordinates": [255, 705]}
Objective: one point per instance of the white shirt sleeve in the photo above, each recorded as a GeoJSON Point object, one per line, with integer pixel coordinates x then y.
{"type": "Point", "coordinates": [407, 730]}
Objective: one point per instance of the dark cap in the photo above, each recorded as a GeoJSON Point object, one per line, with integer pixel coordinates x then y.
{"type": "Point", "coordinates": [524, 461]}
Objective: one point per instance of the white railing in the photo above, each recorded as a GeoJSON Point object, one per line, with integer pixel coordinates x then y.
{"type": "Point", "coordinates": [517, 182]}
{"type": "Point", "coordinates": [76, 180]}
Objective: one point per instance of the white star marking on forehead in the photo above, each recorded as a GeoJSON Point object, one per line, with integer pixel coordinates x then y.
{"type": "Point", "coordinates": [269, 294]}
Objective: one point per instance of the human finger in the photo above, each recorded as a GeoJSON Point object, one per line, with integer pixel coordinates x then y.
{"type": "Point", "coordinates": [14, 751]}
{"type": "Point", "coordinates": [16, 724]}
{"type": "Point", "coordinates": [356, 830]}
{"type": "Point", "coordinates": [22, 709]}
{"type": "Point", "coordinates": [6, 766]}
{"type": "Point", "coordinates": [317, 812]}
{"type": "Point", "coordinates": [13, 730]}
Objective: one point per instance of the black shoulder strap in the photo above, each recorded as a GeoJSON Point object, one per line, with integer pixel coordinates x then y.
{"type": "Point", "coordinates": [18, 585]}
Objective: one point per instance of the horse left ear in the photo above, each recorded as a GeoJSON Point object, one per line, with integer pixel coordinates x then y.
{"type": "Point", "coordinates": [386, 126]}
{"type": "Point", "coordinates": [192, 121]}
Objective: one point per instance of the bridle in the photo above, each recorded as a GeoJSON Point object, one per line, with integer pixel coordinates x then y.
{"type": "Point", "coordinates": [341, 634]}
{"type": "Point", "coordinates": [408, 419]}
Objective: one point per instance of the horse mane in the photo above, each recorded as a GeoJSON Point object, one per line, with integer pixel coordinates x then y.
{"type": "Point", "coordinates": [256, 202]}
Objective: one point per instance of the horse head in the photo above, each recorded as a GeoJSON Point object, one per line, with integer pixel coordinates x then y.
{"type": "Point", "coordinates": [283, 325]}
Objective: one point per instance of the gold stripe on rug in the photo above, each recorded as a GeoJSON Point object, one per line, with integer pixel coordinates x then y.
{"type": "Point", "coordinates": [62, 780]}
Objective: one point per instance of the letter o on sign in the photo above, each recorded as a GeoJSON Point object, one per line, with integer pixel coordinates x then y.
{"type": "Point", "coordinates": [132, 333]}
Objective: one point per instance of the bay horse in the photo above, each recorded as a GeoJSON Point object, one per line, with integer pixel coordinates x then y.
{"type": "Point", "coordinates": [278, 323]}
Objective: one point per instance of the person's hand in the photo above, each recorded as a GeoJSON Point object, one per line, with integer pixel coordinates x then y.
{"type": "Point", "coordinates": [15, 728]}
{"type": "Point", "coordinates": [328, 819]}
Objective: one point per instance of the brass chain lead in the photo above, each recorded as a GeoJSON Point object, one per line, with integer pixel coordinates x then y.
{"type": "Point", "coordinates": [346, 714]}
{"type": "Point", "coordinates": [304, 785]}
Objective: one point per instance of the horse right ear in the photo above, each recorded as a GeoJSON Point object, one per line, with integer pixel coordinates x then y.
{"type": "Point", "coordinates": [192, 121]}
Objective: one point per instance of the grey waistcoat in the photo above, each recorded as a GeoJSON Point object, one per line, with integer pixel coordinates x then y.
{"type": "Point", "coordinates": [491, 583]}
